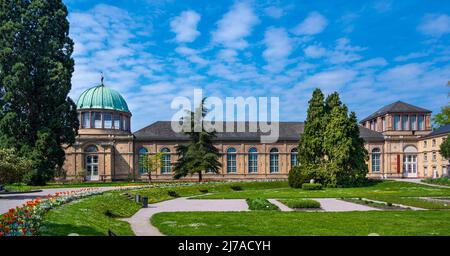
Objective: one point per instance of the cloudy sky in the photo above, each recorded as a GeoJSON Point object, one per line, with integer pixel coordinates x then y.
{"type": "Point", "coordinates": [372, 52]}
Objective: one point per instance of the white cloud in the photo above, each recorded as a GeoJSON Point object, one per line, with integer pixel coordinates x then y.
{"type": "Point", "coordinates": [435, 25]}
{"type": "Point", "coordinates": [274, 12]}
{"type": "Point", "coordinates": [314, 51]}
{"type": "Point", "coordinates": [314, 24]}
{"type": "Point", "coordinates": [329, 80]}
{"type": "Point", "coordinates": [278, 48]}
{"type": "Point", "coordinates": [185, 26]}
{"type": "Point", "coordinates": [375, 62]}
{"type": "Point", "coordinates": [235, 25]}
{"type": "Point", "coordinates": [410, 56]}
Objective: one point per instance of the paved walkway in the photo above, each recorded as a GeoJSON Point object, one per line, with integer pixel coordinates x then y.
{"type": "Point", "coordinates": [419, 181]}
{"type": "Point", "coordinates": [140, 222]}
{"type": "Point", "coordinates": [11, 201]}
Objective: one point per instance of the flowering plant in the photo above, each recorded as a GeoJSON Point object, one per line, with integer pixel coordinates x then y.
{"type": "Point", "coordinates": [25, 220]}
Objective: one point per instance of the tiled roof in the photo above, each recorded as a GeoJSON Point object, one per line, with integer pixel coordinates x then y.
{"type": "Point", "coordinates": [289, 131]}
{"type": "Point", "coordinates": [440, 131]}
{"type": "Point", "coordinates": [396, 107]}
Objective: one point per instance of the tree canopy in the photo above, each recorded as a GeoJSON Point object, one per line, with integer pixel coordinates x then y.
{"type": "Point", "coordinates": [36, 115]}
{"type": "Point", "coordinates": [199, 154]}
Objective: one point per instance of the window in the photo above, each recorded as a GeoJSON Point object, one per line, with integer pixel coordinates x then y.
{"type": "Point", "coordinates": [274, 160]}
{"type": "Point", "coordinates": [86, 120]}
{"type": "Point", "coordinates": [433, 143]}
{"type": "Point", "coordinates": [435, 173]}
{"type": "Point", "coordinates": [97, 117]}
{"type": "Point", "coordinates": [425, 171]}
{"type": "Point", "coordinates": [373, 124]}
{"type": "Point", "coordinates": [376, 160]}
{"type": "Point", "coordinates": [253, 160]}
{"type": "Point", "coordinates": [107, 119]}
{"type": "Point", "coordinates": [425, 157]}
{"type": "Point", "coordinates": [404, 122]}
{"type": "Point", "coordinates": [425, 144]}
{"type": "Point", "coordinates": [117, 121]}
{"type": "Point", "coordinates": [421, 123]}
{"type": "Point", "coordinates": [412, 123]}
{"type": "Point", "coordinates": [231, 160]}
{"type": "Point", "coordinates": [434, 156]}
{"type": "Point", "coordinates": [396, 122]}
{"type": "Point", "coordinates": [384, 124]}
{"type": "Point", "coordinates": [166, 167]}
{"type": "Point", "coordinates": [142, 155]}
{"type": "Point", "coordinates": [125, 123]}
{"type": "Point", "coordinates": [444, 171]}
{"type": "Point", "coordinates": [294, 155]}
{"type": "Point", "coordinates": [91, 163]}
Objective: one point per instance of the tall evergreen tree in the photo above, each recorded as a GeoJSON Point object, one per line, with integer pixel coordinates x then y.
{"type": "Point", "coordinates": [199, 154]}
{"type": "Point", "coordinates": [310, 149]}
{"type": "Point", "coordinates": [37, 116]}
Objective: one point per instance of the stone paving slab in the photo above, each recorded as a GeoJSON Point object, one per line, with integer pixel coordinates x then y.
{"type": "Point", "coordinates": [336, 205]}
{"type": "Point", "coordinates": [280, 205]}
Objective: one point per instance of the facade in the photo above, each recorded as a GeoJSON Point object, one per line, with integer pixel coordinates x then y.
{"type": "Point", "coordinates": [398, 138]}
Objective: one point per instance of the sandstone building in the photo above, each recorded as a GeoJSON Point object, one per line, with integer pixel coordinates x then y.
{"type": "Point", "coordinates": [398, 137]}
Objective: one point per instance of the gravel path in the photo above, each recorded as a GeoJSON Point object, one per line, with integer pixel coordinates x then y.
{"type": "Point", "coordinates": [140, 222]}
{"type": "Point", "coordinates": [419, 181]}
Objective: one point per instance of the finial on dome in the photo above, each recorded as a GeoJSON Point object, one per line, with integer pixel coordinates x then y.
{"type": "Point", "coordinates": [103, 78]}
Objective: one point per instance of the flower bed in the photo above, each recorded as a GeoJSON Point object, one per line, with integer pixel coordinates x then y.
{"type": "Point", "coordinates": [25, 220]}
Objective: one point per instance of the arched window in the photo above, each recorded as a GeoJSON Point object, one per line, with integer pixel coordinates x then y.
{"type": "Point", "coordinates": [274, 160]}
{"type": "Point", "coordinates": [166, 166]}
{"type": "Point", "coordinates": [142, 155]}
{"type": "Point", "coordinates": [376, 160]}
{"type": "Point", "coordinates": [91, 160]}
{"type": "Point", "coordinates": [231, 160]}
{"type": "Point", "coordinates": [294, 157]}
{"type": "Point", "coordinates": [253, 160]}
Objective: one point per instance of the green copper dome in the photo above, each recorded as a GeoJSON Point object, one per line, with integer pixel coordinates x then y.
{"type": "Point", "coordinates": [101, 97]}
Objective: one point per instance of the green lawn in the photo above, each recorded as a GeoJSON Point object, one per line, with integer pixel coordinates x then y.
{"type": "Point", "coordinates": [92, 216]}
{"type": "Point", "coordinates": [385, 188]}
{"type": "Point", "coordinates": [445, 181]}
{"type": "Point", "coordinates": [23, 187]}
{"type": "Point", "coordinates": [385, 223]}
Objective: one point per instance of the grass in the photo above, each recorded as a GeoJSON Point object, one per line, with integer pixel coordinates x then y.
{"type": "Point", "coordinates": [439, 181]}
{"type": "Point", "coordinates": [274, 223]}
{"type": "Point", "coordinates": [91, 216]}
{"type": "Point", "coordinates": [260, 204]}
{"type": "Point", "coordinates": [301, 203]}
{"type": "Point", "coordinates": [379, 205]}
{"type": "Point", "coordinates": [384, 188]}
{"type": "Point", "coordinates": [413, 201]}
{"type": "Point", "coordinates": [23, 187]}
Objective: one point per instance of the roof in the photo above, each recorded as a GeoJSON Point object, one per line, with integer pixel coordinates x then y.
{"type": "Point", "coordinates": [289, 131]}
{"type": "Point", "coordinates": [440, 131]}
{"type": "Point", "coordinates": [396, 107]}
{"type": "Point", "coordinates": [101, 97]}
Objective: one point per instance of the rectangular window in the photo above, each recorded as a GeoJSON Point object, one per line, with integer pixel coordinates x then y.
{"type": "Point", "coordinates": [433, 143]}
{"type": "Point", "coordinates": [107, 119]}
{"type": "Point", "coordinates": [125, 125]}
{"type": "Point", "coordinates": [421, 123]}
{"type": "Point", "coordinates": [425, 170]}
{"type": "Point", "coordinates": [434, 156]}
{"type": "Point", "coordinates": [117, 121]}
{"type": "Point", "coordinates": [425, 157]}
{"type": "Point", "coordinates": [396, 122]}
{"type": "Point", "coordinates": [425, 144]}
{"type": "Point", "coordinates": [412, 123]}
{"type": "Point", "coordinates": [86, 120]}
{"type": "Point", "coordinates": [384, 124]}
{"type": "Point", "coordinates": [404, 122]}
{"type": "Point", "coordinates": [97, 117]}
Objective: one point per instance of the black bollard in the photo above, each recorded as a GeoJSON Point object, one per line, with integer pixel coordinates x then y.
{"type": "Point", "coordinates": [145, 202]}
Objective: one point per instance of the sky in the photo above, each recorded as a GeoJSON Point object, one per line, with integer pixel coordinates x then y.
{"type": "Point", "coordinates": [372, 52]}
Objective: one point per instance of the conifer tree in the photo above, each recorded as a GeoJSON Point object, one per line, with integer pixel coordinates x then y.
{"type": "Point", "coordinates": [36, 115]}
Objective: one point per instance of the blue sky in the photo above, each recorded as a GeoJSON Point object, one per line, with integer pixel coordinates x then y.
{"type": "Point", "coordinates": [372, 52]}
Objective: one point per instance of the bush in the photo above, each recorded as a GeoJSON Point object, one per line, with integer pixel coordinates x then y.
{"type": "Point", "coordinates": [260, 204]}
{"type": "Point", "coordinates": [236, 188]}
{"type": "Point", "coordinates": [301, 203]}
{"type": "Point", "coordinates": [300, 175]}
{"type": "Point", "coordinates": [312, 186]}
{"type": "Point", "coordinates": [172, 193]}
{"type": "Point", "coordinates": [13, 168]}
{"type": "Point", "coordinates": [204, 191]}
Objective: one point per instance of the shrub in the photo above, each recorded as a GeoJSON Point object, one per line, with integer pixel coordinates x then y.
{"type": "Point", "coordinates": [236, 188]}
{"type": "Point", "coordinates": [297, 176]}
{"type": "Point", "coordinates": [301, 203]}
{"type": "Point", "coordinates": [300, 175]}
{"type": "Point", "coordinates": [172, 193]}
{"type": "Point", "coordinates": [312, 186]}
{"type": "Point", "coordinates": [13, 168]}
{"type": "Point", "coordinates": [260, 204]}
{"type": "Point", "coordinates": [204, 191]}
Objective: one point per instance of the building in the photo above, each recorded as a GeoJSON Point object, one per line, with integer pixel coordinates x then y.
{"type": "Point", "coordinates": [398, 137]}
